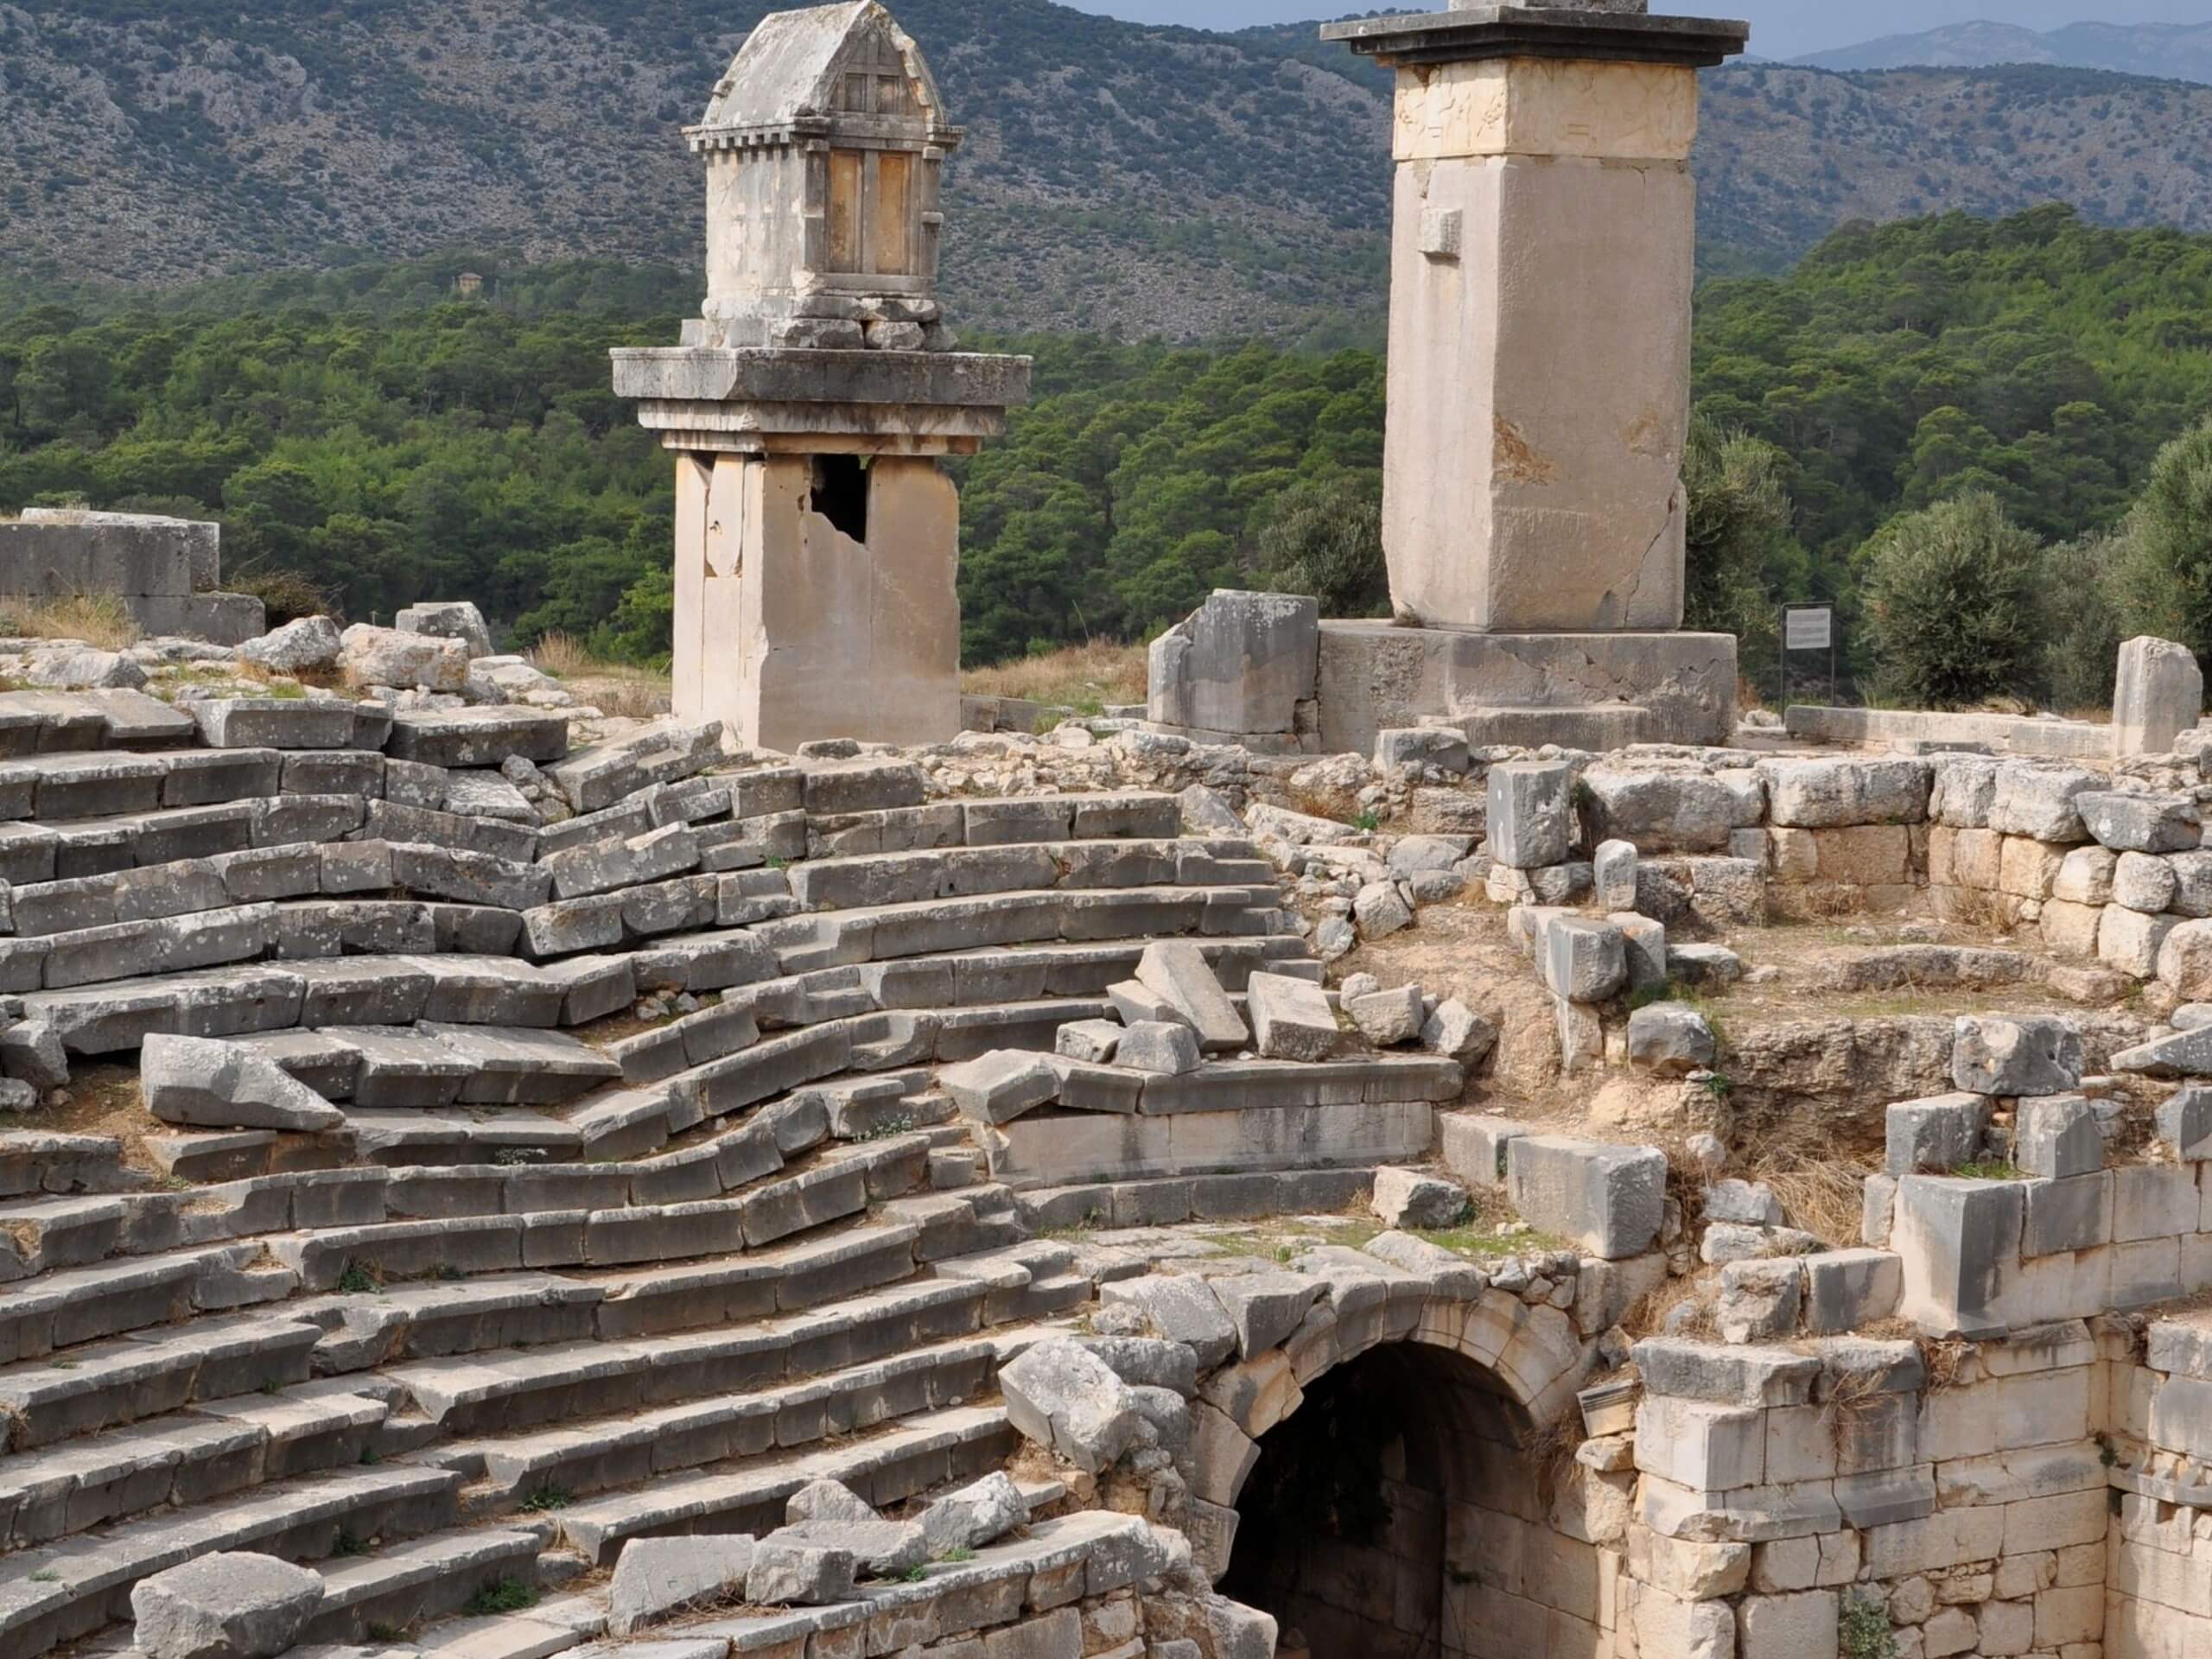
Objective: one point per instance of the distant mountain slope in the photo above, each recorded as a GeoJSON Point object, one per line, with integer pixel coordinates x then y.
{"type": "Point", "coordinates": [1149, 180]}
{"type": "Point", "coordinates": [2174, 51]}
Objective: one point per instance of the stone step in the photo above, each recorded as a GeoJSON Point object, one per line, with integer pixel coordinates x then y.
{"type": "Point", "coordinates": [912, 1456]}
{"type": "Point", "coordinates": [656, 1437]}
{"type": "Point", "coordinates": [57, 787]}
{"type": "Point", "coordinates": [215, 1448]}
{"type": "Point", "coordinates": [62, 1590]}
{"type": "Point", "coordinates": [892, 878]}
{"type": "Point", "coordinates": [449, 1246]}
{"type": "Point", "coordinates": [983, 821]}
{"type": "Point", "coordinates": [430, 1064]}
{"type": "Point", "coordinates": [102, 1385]}
{"type": "Point", "coordinates": [424, 1578]}
{"type": "Point", "coordinates": [1173, 1201]}
{"type": "Point", "coordinates": [1599, 728]}
{"type": "Point", "coordinates": [48, 722]}
{"type": "Point", "coordinates": [461, 1137]}
{"type": "Point", "coordinates": [41, 1160]}
{"type": "Point", "coordinates": [61, 1310]}
{"type": "Point", "coordinates": [831, 1266]}
{"type": "Point", "coordinates": [400, 1322]}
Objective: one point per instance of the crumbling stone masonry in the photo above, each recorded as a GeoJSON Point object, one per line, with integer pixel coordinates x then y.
{"type": "Point", "coordinates": [166, 571]}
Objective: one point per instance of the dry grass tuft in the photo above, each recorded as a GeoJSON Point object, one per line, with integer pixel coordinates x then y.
{"type": "Point", "coordinates": [100, 619]}
{"type": "Point", "coordinates": [1821, 1184]}
{"type": "Point", "coordinates": [1974, 907]}
{"type": "Point", "coordinates": [1085, 677]}
{"type": "Point", "coordinates": [1650, 1317]}
{"type": "Point", "coordinates": [562, 655]}
{"type": "Point", "coordinates": [617, 689]}
{"type": "Point", "coordinates": [1943, 1358]}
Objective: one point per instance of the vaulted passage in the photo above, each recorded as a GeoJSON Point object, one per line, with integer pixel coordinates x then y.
{"type": "Point", "coordinates": [1395, 1516]}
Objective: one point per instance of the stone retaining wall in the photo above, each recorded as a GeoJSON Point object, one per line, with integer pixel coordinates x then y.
{"type": "Point", "coordinates": [165, 570]}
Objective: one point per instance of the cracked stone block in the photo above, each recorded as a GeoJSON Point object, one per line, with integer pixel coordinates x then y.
{"type": "Point", "coordinates": [2039, 1054]}
{"type": "Point", "coordinates": [657, 1576]}
{"type": "Point", "coordinates": [978, 1514]}
{"type": "Point", "coordinates": [1531, 824]}
{"type": "Point", "coordinates": [1291, 1017]}
{"type": "Point", "coordinates": [2129, 823]}
{"type": "Point", "coordinates": [1412, 1198]}
{"type": "Point", "coordinates": [231, 1605]}
{"type": "Point", "coordinates": [1389, 1018]}
{"type": "Point", "coordinates": [1160, 1047]}
{"type": "Point", "coordinates": [1064, 1397]}
{"type": "Point", "coordinates": [1670, 1038]}
{"type": "Point", "coordinates": [1457, 1033]}
{"type": "Point", "coordinates": [1612, 872]}
{"type": "Point", "coordinates": [789, 1572]}
{"type": "Point", "coordinates": [2185, 1124]}
{"type": "Point", "coordinates": [1759, 1299]}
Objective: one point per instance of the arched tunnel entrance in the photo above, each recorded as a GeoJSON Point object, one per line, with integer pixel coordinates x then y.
{"type": "Point", "coordinates": [1399, 1514]}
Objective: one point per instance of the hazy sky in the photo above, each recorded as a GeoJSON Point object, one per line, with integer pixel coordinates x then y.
{"type": "Point", "coordinates": [1780, 28]}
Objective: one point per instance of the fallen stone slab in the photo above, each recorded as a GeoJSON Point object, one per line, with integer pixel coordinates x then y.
{"type": "Point", "coordinates": [478, 737]}
{"type": "Point", "coordinates": [788, 1571]}
{"type": "Point", "coordinates": [977, 1515]}
{"type": "Point", "coordinates": [879, 1548]}
{"type": "Point", "coordinates": [204, 1083]}
{"type": "Point", "coordinates": [373, 656]}
{"type": "Point", "coordinates": [1177, 972]}
{"type": "Point", "coordinates": [1158, 1048]}
{"type": "Point", "coordinates": [307, 642]}
{"type": "Point", "coordinates": [1457, 1033]}
{"type": "Point", "coordinates": [1412, 1198]}
{"type": "Point", "coordinates": [1530, 822]}
{"type": "Point", "coordinates": [1064, 1397]}
{"type": "Point", "coordinates": [231, 1605]}
{"type": "Point", "coordinates": [654, 1576]}
{"type": "Point", "coordinates": [1387, 1019]}
{"type": "Point", "coordinates": [1001, 1086]}
{"type": "Point", "coordinates": [1291, 1017]}
{"type": "Point", "coordinates": [451, 618]}
{"type": "Point", "coordinates": [827, 1500]}
{"type": "Point", "coordinates": [1093, 1041]}
{"type": "Point", "coordinates": [1182, 1309]}
{"type": "Point", "coordinates": [2183, 1054]}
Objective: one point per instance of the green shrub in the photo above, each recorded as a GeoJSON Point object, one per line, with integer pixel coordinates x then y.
{"type": "Point", "coordinates": [1324, 537]}
{"type": "Point", "coordinates": [2170, 578]}
{"type": "Point", "coordinates": [1952, 605]}
{"type": "Point", "coordinates": [2083, 605]}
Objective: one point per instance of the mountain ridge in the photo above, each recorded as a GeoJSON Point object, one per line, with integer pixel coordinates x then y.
{"type": "Point", "coordinates": [2157, 51]}
{"type": "Point", "coordinates": [1116, 177]}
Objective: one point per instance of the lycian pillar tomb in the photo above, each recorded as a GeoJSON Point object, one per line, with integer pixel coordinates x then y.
{"type": "Point", "coordinates": [817, 537]}
{"type": "Point", "coordinates": [1541, 261]}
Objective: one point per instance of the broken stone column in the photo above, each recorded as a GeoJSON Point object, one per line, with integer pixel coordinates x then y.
{"type": "Point", "coordinates": [1542, 265]}
{"type": "Point", "coordinates": [817, 540]}
{"type": "Point", "coordinates": [2158, 696]}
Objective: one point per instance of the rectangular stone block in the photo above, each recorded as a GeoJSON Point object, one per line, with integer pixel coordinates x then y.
{"type": "Point", "coordinates": [1608, 1200]}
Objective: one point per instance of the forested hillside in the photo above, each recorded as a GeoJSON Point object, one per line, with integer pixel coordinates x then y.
{"type": "Point", "coordinates": [1115, 178]}
{"type": "Point", "coordinates": [366, 427]}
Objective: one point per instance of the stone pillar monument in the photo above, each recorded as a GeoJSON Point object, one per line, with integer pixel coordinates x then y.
{"type": "Point", "coordinates": [1541, 263]}
{"type": "Point", "coordinates": [816, 537]}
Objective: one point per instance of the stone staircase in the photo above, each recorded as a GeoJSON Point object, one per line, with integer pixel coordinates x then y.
{"type": "Point", "coordinates": [571, 1272]}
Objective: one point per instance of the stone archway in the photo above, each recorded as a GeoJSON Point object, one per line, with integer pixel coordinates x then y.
{"type": "Point", "coordinates": [1376, 1495]}
{"type": "Point", "coordinates": [1397, 1514]}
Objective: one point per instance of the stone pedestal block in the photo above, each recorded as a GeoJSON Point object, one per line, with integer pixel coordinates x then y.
{"type": "Point", "coordinates": [2158, 695]}
{"type": "Point", "coordinates": [1240, 663]}
{"type": "Point", "coordinates": [1679, 688]}
{"type": "Point", "coordinates": [790, 627]}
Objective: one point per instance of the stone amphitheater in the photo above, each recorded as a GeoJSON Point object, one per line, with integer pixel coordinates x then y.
{"type": "Point", "coordinates": [1426, 1140]}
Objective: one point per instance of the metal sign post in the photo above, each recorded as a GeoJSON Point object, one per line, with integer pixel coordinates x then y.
{"type": "Point", "coordinates": [1806, 627]}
